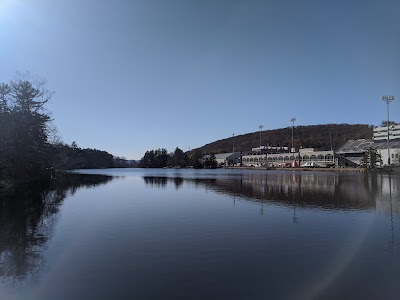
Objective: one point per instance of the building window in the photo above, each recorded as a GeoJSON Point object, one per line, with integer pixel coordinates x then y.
{"type": "Point", "coordinates": [329, 157]}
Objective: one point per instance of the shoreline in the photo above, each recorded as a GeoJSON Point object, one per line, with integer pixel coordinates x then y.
{"type": "Point", "coordinates": [357, 170]}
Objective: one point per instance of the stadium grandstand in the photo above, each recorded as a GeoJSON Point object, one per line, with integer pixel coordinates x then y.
{"type": "Point", "coordinates": [353, 150]}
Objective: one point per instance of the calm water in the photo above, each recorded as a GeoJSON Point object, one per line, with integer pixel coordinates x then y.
{"type": "Point", "coordinates": [206, 234]}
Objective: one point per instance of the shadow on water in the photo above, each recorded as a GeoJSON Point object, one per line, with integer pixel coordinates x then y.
{"type": "Point", "coordinates": [311, 190]}
{"type": "Point", "coordinates": [28, 215]}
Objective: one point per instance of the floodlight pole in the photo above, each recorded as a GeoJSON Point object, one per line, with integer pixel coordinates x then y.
{"type": "Point", "coordinates": [233, 142]}
{"type": "Point", "coordinates": [387, 99]}
{"type": "Point", "coordinates": [292, 120]}
{"type": "Point", "coordinates": [261, 127]}
{"type": "Point", "coordinates": [292, 149]}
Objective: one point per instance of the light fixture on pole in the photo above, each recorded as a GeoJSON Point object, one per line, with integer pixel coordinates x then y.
{"type": "Point", "coordinates": [292, 120]}
{"type": "Point", "coordinates": [387, 99]}
{"type": "Point", "coordinates": [261, 127]}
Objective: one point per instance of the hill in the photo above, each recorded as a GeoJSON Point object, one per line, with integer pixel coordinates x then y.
{"type": "Point", "coordinates": [312, 136]}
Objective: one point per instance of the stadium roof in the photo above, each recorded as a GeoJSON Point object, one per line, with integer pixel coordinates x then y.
{"type": "Point", "coordinates": [361, 145]}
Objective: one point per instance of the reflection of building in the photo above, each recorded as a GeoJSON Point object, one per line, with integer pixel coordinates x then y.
{"type": "Point", "coordinates": [333, 191]}
{"type": "Point", "coordinates": [388, 200]}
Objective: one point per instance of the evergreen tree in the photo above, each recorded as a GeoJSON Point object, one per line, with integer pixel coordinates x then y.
{"type": "Point", "coordinates": [371, 159]}
{"type": "Point", "coordinates": [154, 159]}
{"type": "Point", "coordinates": [210, 162]}
{"type": "Point", "coordinates": [24, 127]}
{"type": "Point", "coordinates": [5, 132]}
{"type": "Point", "coordinates": [195, 159]}
{"type": "Point", "coordinates": [177, 159]}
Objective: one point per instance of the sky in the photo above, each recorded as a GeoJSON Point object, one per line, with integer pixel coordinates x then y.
{"type": "Point", "coordinates": [131, 76]}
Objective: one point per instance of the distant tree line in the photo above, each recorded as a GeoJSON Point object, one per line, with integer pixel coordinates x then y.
{"type": "Point", "coordinates": [64, 157]}
{"type": "Point", "coordinates": [28, 147]}
{"type": "Point", "coordinates": [384, 123]}
{"type": "Point", "coordinates": [160, 158]}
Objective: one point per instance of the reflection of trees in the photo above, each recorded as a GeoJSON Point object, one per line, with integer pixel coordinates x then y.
{"type": "Point", "coordinates": [321, 190]}
{"type": "Point", "coordinates": [156, 181]}
{"type": "Point", "coordinates": [28, 215]}
{"type": "Point", "coordinates": [392, 243]}
{"type": "Point", "coordinates": [178, 181]}
{"type": "Point", "coordinates": [161, 182]}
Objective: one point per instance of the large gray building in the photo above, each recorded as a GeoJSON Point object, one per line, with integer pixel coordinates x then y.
{"type": "Point", "coordinates": [305, 157]}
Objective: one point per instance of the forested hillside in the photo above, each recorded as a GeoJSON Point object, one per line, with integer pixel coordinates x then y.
{"type": "Point", "coordinates": [312, 136]}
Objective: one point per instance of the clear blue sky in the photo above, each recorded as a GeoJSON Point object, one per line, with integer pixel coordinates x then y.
{"type": "Point", "coordinates": [135, 75]}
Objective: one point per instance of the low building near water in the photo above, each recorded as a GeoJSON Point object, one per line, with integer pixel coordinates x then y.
{"type": "Point", "coordinates": [305, 157]}
{"type": "Point", "coordinates": [228, 159]}
{"type": "Point", "coordinates": [254, 159]}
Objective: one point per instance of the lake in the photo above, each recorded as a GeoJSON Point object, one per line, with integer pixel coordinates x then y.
{"type": "Point", "coordinates": [202, 234]}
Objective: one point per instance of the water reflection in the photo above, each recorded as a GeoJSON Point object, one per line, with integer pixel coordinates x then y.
{"type": "Point", "coordinates": [331, 191]}
{"type": "Point", "coordinates": [28, 215]}
{"type": "Point", "coordinates": [392, 244]}
{"type": "Point", "coordinates": [326, 234]}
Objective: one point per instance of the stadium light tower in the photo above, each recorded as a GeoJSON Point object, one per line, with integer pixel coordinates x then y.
{"type": "Point", "coordinates": [261, 127]}
{"type": "Point", "coordinates": [292, 120]}
{"type": "Point", "coordinates": [387, 99]}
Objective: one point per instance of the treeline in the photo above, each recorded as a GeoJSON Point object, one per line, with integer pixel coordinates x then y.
{"type": "Point", "coordinates": [313, 136]}
{"type": "Point", "coordinates": [26, 151]}
{"type": "Point", "coordinates": [65, 157]}
{"type": "Point", "coordinates": [160, 158]}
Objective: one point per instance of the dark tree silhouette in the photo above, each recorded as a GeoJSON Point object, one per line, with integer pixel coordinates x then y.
{"type": "Point", "coordinates": [26, 152]}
